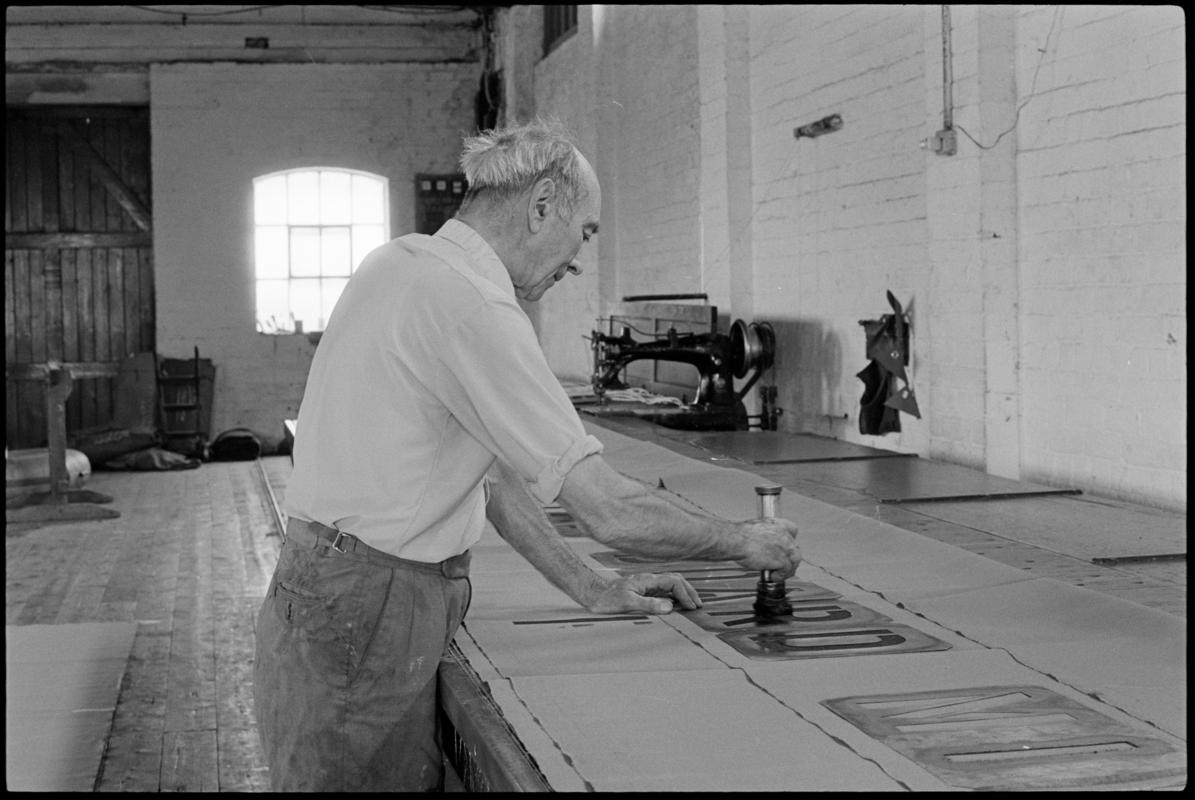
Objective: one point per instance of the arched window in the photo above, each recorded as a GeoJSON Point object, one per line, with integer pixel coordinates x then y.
{"type": "Point", "coordinates": [312, 227]}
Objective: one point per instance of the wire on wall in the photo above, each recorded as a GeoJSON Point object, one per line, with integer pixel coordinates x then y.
{"type": "Point", "coordinates": [1032, 87]}
{"type": "Point", "coordinates": [736, 237]}
{"type": "Point", "coordinates": [184, 14]}
{"type": "Point", "coordinates": [430, 10]}
{"type": "Point", "coordinates": [947, 72]}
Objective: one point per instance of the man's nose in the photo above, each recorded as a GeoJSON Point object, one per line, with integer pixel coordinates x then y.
{"type": "Point", "coordinates": [574, 267]}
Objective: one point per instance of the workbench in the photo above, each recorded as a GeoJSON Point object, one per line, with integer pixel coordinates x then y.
{"type": "Point", "coordinates": [910, 665]}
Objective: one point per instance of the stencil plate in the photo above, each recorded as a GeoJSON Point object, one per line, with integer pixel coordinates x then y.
{"type": "Point", "coordinates": [716, 582]}
{"type": "Point", "coordinates": [788, 643]}
{"type": "Point", "coordinates": [907, 480]}
{"type": "Point", "coordinates": [1014, 738]}
{"type": "Point", "coordinates": [826, 613]}
{"type": "Point", "coordinates": [822, 625]}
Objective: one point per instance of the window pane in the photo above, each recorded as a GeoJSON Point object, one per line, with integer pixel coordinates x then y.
{"type": "Point", "coordinates": [302, 196]}
{"type": "Point", "coordinates": [273, 306]}
{"type": "Point", "coordinates": [271, 250]}
{"type": "Point", "coordinates": [305, 303]}
{"type": "Point", "coordinates": [337, 252]}
{"type": "Point", "coordinates": [304, 252]}
{"type": "Point", "coordinates": [269, 201]}
{"type": "Point", "coordinates": [331, 291]}
{"type": "Point", "coordinates": [366, 238]}
{"type": "Point", "coordinates": [368, 202]}
{"type": "Point", "coordinates": [335, 198]}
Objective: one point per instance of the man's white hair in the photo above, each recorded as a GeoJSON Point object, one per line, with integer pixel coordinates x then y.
{"type": "Point", "coordinates": [501, 164]}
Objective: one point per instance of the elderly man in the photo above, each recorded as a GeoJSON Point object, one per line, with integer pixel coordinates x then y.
{"type": "Point", "coordinates": [428, 409]}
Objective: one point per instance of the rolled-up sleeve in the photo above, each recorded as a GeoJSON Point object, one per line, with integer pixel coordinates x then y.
{"type": "Point", "coordinates": [546, 485]}
{"type": "Point", "coordinates": [496, 382]}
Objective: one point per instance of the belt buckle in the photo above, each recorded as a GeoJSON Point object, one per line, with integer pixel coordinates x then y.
{"type": "Point", "coordinates": [336, 542]}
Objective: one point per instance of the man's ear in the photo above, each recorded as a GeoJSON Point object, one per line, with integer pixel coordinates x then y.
{"type": "Point", "coordinates": [540, 203]}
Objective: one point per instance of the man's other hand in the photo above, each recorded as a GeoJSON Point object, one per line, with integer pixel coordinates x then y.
{"type": "Point", "coordinates": [646, 593]}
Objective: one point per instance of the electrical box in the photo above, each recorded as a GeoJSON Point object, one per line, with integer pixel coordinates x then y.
{"type": "Point", "coordinates": [944, 142]}
{"type": "Point", "coordinates": [437, 197]}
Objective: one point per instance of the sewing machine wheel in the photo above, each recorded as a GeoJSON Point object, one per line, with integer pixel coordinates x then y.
{"type": "Point", "coordinates": [751, 346]}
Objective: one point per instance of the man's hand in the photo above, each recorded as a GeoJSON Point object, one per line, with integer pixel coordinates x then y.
{"type": "Point", "coordinates": [645, 592]}
{"type": "Point", "coordinates": [771, 544]}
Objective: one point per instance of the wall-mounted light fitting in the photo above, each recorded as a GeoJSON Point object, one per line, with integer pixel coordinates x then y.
{"type": "Point", "coordinates": [824, 125]}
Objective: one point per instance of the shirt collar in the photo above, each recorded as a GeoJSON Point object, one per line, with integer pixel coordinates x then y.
{"type": "Point", "coordinates": [482, 257]}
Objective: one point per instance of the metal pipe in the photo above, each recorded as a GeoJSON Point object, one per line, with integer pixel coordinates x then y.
{"type": "Point", "coordinates": [947, 73]}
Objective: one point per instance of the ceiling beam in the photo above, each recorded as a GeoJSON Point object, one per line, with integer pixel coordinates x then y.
{"type": "Point", "coordinates": [324, 43]}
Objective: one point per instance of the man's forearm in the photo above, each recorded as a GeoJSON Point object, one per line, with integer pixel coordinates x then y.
{"type": "Point", "coordinates": [633, 518]}
{"type": "Point", "coordinates": [521, 521]}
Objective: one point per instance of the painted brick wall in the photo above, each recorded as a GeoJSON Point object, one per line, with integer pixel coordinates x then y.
{"type": "Point", "coordinates": [652, 71]}
{"type": "Point", "coordinates": [643, 98]}
{"type": "Point", "coordinates": [717, 58]}
{"type": "Point", "coordinates": [1102, 176]}
{"type": "Point", "coordinates": [214, 128]}
{"type": "Point", "coordinates": [839, 219]}
{"type": "Point", "coordinates": [1044, 272]}
{"type": "Point", "coordinates": [569, 311]}
{"type": "Point", "coordinates": [966, 275]}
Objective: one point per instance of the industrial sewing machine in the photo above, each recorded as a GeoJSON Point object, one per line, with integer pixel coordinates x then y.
{"type": "Point", "coordinates": [719, 359]}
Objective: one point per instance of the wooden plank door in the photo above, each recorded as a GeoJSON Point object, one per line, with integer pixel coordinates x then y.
{"type": "Point", "coordinates": [78, 256]}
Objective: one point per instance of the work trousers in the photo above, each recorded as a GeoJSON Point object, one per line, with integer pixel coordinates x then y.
{"type": "Point", "coordinates": [345, 677]}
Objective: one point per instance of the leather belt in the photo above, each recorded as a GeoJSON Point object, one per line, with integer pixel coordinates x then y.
{"type": "Point", "coordinates": [314, 533]}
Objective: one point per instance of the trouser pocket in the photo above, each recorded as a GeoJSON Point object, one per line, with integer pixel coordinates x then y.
{"type": "Point", "coordinates": [326, 609]}
{"type": "Point", "coordinates": [459, 596]}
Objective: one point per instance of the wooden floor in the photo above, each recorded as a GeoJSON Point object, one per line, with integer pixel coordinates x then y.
{"type": "Point", "coordinates": [188, 561]}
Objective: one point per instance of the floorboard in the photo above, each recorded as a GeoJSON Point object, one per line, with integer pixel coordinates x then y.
{"type": "Point", "coordinates": [186, 563]}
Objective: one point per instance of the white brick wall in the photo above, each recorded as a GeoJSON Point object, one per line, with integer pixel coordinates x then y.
{"type": "Point", "coordinates": [657, 146]}
{"type": "Point", "coordinates": [1045, 274]}
{"type": "Point", "coordinates": [725, 151]}
{"type": "Point", "coordinates": [839, 219]}
{"type": "Point", "coordinates": [1102, 179]}
{"type": "Point", "coordinates": [215, 127]}
{"type": "Point", "coordinates": [568, 312]}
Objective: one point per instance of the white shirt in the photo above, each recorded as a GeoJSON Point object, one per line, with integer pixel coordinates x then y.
{"type": "Point", "coordinates": [428, 370]}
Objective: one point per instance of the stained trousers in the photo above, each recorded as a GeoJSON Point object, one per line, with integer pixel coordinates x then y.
{"type": "Point", "coordinates": [345, 675]}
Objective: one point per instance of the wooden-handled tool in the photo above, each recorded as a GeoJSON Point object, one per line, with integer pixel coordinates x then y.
{"type": "Point", "coordinates": [771, 601]}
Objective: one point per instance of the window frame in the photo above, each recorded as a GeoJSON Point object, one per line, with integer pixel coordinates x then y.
{"type": "Point", "coordinates": [560, 23]}
{"type": "Point", "coordinates": [284, 226]}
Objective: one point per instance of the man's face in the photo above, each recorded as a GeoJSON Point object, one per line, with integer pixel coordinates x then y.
{"type": "Point", "coordinates": [559, 242]}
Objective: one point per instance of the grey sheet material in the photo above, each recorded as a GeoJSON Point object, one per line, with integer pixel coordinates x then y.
{"type": "Point", "coordinates": [906, 480]}
{"type": "Point", "coordinates": [62, 684]}
{"type": "Point", "coordinates": [776, 447]}
{"type": "Point", "coordinates": [1110, 529]}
